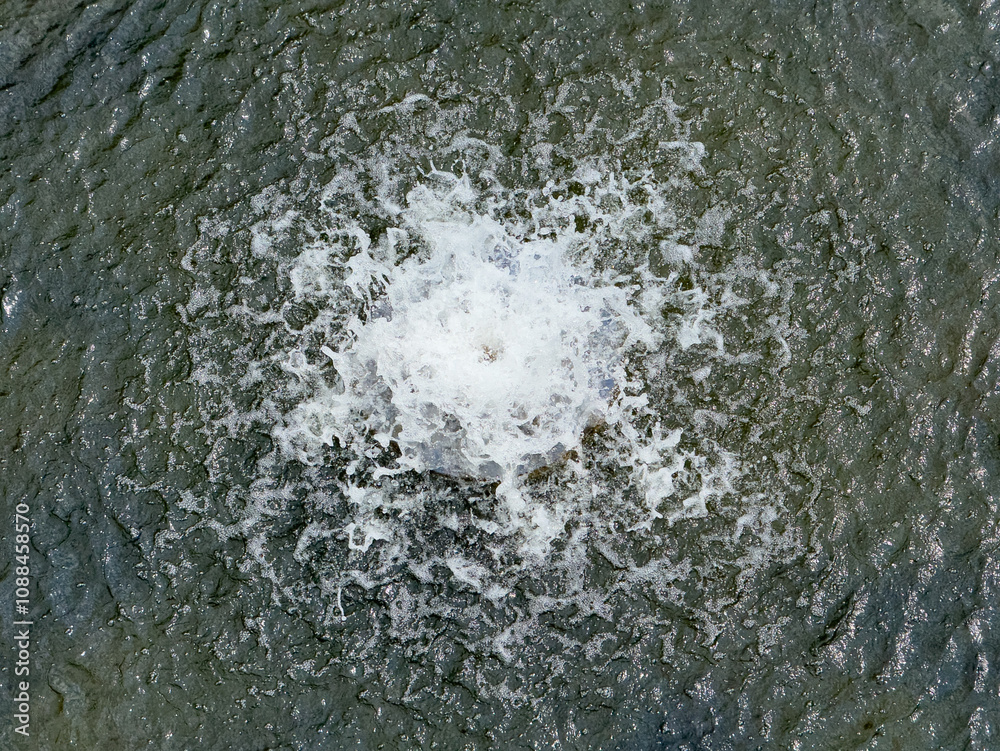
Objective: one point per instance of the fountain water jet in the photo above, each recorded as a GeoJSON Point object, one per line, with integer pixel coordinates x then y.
{"type": "Point", "coordinates": [484, 355]}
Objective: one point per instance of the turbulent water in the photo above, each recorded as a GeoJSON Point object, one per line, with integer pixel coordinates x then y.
{"type": "Point", "coordinates": [470, 375]}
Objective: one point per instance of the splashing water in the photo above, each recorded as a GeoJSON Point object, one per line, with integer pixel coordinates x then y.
{"type": "Point", "coordinates": [490, 398]}
{"type": "Point", "coordinates": [485, 357]}
{"type": "Point", "coordinates": [485, 351]}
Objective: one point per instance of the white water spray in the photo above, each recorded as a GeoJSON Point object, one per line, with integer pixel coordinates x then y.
{"type": "Point", "coordinates": [485, 356]}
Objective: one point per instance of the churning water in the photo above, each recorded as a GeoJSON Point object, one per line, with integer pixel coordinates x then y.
{"type": "Point", "coordinates": [474, 376]}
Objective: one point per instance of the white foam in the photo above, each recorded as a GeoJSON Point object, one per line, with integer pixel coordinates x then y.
{"type": "Point", "coordinates": [486, 355]}
{"type": "Point", "coordinates": [391, 332]}
{"type": "Point", "coordinates": [480, 335]}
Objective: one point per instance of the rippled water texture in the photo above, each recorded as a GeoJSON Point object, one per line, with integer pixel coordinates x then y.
{"type": "Point", "coordinates": [757, 502]}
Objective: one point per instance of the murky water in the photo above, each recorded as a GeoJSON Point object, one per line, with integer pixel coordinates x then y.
{"type": "Point", "coordinates": [474, 376]}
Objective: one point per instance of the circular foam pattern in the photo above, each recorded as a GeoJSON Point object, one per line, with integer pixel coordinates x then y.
{"type": "Point", "coordinates": [487, 356]}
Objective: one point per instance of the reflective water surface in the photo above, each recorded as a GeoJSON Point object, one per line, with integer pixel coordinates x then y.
{"type": "Point", "coordinates": [476, 375]}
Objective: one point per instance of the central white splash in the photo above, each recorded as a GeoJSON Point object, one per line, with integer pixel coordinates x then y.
{"type": "Point", "coordinates": [483, 355]}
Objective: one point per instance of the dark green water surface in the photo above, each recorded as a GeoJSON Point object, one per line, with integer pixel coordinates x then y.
{"type": "Point", "coordinates": [844, 593]}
